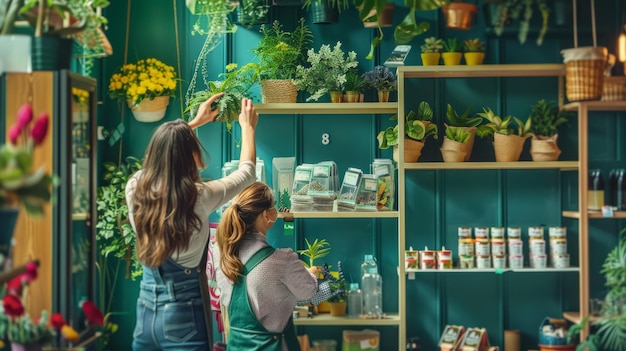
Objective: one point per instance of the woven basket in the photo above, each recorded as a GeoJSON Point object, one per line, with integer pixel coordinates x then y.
{"type": "Point", "coordinates": [584, 80]}
{"type": "Point", "coordinates": [278, 91]}
{"type": "Point", "coordinates": [614, 88]}
{"type": "Point", "coordinates": [150, 110]}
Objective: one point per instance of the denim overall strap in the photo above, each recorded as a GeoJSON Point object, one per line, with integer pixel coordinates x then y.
{"type": "Point", "coordinates": [204, 292]}
{"type": "Point", "coordinates": [246, 332]}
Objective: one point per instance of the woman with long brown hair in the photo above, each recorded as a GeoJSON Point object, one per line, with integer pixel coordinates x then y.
{"type": "Point", "coordinates": [169, 207]}
{"type": "Point", "coordinates": [259, 284]}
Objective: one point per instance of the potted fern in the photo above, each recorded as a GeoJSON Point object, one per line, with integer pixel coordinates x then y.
{"type": "Point", "coordinates": [547, 118]}
{"type": "Point", "coordinates": [459, 135]}
{"type": "Point", "coordinates": [431, 51]}
{"type": "Point", "coordinates": [507, 142]}
{"type": "Point", "coordinates": [417, 127]}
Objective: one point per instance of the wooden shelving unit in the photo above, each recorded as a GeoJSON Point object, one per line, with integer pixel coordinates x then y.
{"type": "Point", "coordinates": [327, 319]}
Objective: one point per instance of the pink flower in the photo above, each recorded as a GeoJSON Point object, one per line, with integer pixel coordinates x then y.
{"type": "Point", "coordinates": [31, 271]}
{"type": "Point", "coordinates": [14, 286]}
{"type": "Point", "coordinates": [57, 322]}
{"type": "Point", "coordinates": [24, 115]}
{"type": "Point", "coordinates": [12, 306]}
{"type": "Point", "coordinates": [40, 129]}
{"type": "Point", "coordinates": [14, 133]}
{"type": "Point", "coordinates": [93, 314]}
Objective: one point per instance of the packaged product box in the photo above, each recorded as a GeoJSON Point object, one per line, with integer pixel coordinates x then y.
{"type": "Point", "coordinates": [451, 338]}
{"type": "Point", "coordinates": [475, 339]}
{"type": "Point", "coordinates": [361, 340]}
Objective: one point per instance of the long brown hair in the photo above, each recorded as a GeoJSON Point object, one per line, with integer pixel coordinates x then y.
{"type": "Point", "coordinates": [237, 220]}
{"type": "Point", "coordinates": [166, 193]}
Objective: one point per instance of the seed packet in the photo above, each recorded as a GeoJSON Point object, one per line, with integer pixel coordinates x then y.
{"type": "Point", "coordinates": [349, 189]}
{"type": "Point", "coordinates": [366, 199]}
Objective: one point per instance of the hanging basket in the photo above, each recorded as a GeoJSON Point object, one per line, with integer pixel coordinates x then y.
{"type": "Point", "coordinates": [584, 72]}
{"type": "Point", "coordinates": [150, 110]}
{"type": "Point", "coordinates": [278, 91]}
{"type": "Point", "coordinates": [546, 149]}
{"type": "Point", "coordinates": [507, 148]}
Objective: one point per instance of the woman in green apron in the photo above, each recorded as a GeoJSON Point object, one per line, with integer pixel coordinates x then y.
{"type": "Point", "coordinates": [259, 284]}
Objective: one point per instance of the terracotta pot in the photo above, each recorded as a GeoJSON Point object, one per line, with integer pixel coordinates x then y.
{"type": "Point", "coordinates": [337, 309]}
{"type": "Point", "coordinates": [430, 58]}
{"type": "Point", "coordinates": [507, 148]}
{"type": "Point", "coordinates": [412, 150]}
{"type": "Point", "coordinates": [459, 15]}
{"type": "Point", "coordinates": [453, 151]}
{"type": "Point", "coordinates": [451, 58]}
{"type": "Point", "coordinates": [544, 148]}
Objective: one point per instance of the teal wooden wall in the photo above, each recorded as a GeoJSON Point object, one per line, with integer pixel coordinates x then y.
{"type": "Point", "coordinates": [437, 201]}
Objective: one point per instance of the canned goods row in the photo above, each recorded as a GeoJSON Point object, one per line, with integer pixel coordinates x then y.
{"type": "Point", "coordinates": [515, 261]}
{"type": "Point", "coordinates": [535, 232]}
{"type": "Point", "coordinates": [498, 247]}
{"type": "Point", "coordinates": [428, 259]}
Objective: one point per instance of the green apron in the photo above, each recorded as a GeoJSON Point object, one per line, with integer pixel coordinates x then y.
{"type": "Point", "coordinates": [246, 332]}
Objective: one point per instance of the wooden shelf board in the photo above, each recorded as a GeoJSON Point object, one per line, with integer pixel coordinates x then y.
{"type": "Point", "coordinates": [359, 214]}
{"type": "Point", "coordinates": [79, 216]}
{"type": "Point", "coordinates": [326, 108]}
{"type": "Point", "coordinates": [594, 214]}
{"type": "Point", "coordinates": [482, 71]}
{"type": "Point", "coordinates": [563, 165]}
{"type": "Point", "coordinates": [574, 317]}
{"type": "Point", "coordinates": [324, 319]}
{"type": "Point", "coordinates": [493, 270]}
{"type": "Point", "coordinates": [597, 105]}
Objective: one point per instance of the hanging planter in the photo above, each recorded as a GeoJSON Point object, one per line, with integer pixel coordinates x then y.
{"type": "Point", "coordinates": [51, 53]}
{"type": "Point", "coordinates": [323, 13]}
{"type": "Point", "coordinates": [149, 110]}
{"type": "Point", "coordinates": [386, 17]}
{"type": "Point", "coordinates": [459, 15]}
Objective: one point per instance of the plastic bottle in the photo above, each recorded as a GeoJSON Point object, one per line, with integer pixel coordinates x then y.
{"type": "Point", "coordinates": [355, 301]}
{"type": "Point", "coordinates": [595, 199]}
{"type": "Point", "coordinates": [372, 287]}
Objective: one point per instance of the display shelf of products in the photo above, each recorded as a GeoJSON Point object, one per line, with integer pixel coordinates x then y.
{"type": "Point", "coordinates": [353, 108]}
{"type": "Point", "coordinates": [494, 270]}
{"type": "Point", "coordinates": [356, 214]}
{"type": "Point", "coordinates": [595, 214]}
{"type": "Point", "coordinates": [562, 165]}
{"type": "Point", "coordinates": [485, 71]}
{"type": "Point", "coordinates": [326, 319]}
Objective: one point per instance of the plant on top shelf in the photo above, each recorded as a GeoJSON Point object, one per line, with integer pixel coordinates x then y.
{"type": "Point", "coordinates": [547, 118]}
{"type": "Point", "coordinates": [383, 80]}
{"type": "Point", "coordinates": [474, 51]}
{"type": "Point", "coordinates": [417, 127]}
{"type": "Point", "coordinates": [279, 52]}
{"type": "Point", "coordinates": [326, 70]}
{"type": "Point", "coordinates": [507, 141]}
{"type": "Point", "coordinates": [460, 133]}
{"type": "Point", "coordinates": [431, 51]}
{"type": "Point", "coordinates": [506, 11]}
{"type": "Point", "coordinates": [235, 83]}
{"type": "Point", "coordinates": [452, 51]}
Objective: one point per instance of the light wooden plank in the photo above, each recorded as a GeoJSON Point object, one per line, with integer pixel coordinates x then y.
{"type": "Point", "coordinates": [482, 71]}
{"type": "Point", "coordinates": [323, 108]}
{"type": "Point", "coordinates": [325, 319]}
{"type": "Point", "coordinates": [563, 165]}
{"type": "Point", "coordinates": [381, 214]}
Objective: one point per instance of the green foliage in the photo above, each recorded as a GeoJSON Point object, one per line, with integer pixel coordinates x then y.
{"type": "Point", "coordinates": [409, 28]}
{"type": "Point", "coordinates": [432, 44]}
{"type": "Point", "coordinates": [338, 286]}
{"type": "Point", "coordinates": [25, 330]}
{"type": "Point", "coordinates": [460, 134]}
{"type": "Point", "coordinates": [319, 249]}
{"type": "Point", "coordinates": [354, 81]}
{"type": "Point", "coordinates": [547, 118]}
{"type": "Point", "coordinates": [417, 126]}
{"type": "Point", "coordinates": [452, 45]}
{"type": "Point", "coordinates": [474, 45]}
{"type": "Point", "coordinates": [522, 10]}
{"type": "Point", "coordinates": [497, 124]}
{"type": "Point", "coordinates": [455, 120]}
{"type": "Point", "coordinates": [9, 10]}
{"type": "Point", "coordinates": [280, 51]}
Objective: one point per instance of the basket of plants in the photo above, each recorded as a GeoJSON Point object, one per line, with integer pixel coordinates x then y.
{"type": "Point", "coordinates": [614, 88]}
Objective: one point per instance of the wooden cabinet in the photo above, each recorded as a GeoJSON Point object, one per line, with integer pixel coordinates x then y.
{"type": "Point", "coordinates": [63, 240]}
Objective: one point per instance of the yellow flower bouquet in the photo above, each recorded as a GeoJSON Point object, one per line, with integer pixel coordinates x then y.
{"type": "Point", "coordinates": [150, 81]}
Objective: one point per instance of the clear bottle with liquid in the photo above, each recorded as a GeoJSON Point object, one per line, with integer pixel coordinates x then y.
{"type": "Point", "coordinates": [372, 288]}
{"type": "Point", "coordinates": [617, 189]}
{"type": "Point", "coordinates": [595, 194]}
{"type": "Point", "coordinates": [355, 301]}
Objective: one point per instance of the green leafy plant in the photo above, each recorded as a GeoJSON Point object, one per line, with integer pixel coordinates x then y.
{"type": "Point", "coordinates": [371, 11]}
{"type": "Point", "coordinates": [547, 118]}
{"type": "Point", "coordinates": [354, 81]}
{"type": "Point", "coordinates": [454, 120]}
{"type": "Point", "coordinates": [279, 52]}
{"type": "Point", "coordinates": [432, 44]}
{"type": "Point", "coordinates": [9, 10]}
{"type": "Point", "coordinates": [417, 126]}
{"type": "Point", "coordinates": [316, 250]}
{"type": "Point", "coordinates": [326, 71]}
{"type": "Point", "coordinates": [338, 286]}
{"type": "Point", "coordinates": [409, 28]}
{"type": "Point", "coordinates": [381, 78]}
{"type": "Point", "coordinates": [253, 12]}
{"type": "Point", "coordinates": [235, 83]}
{"type": "Point", "coordinates": [474, 45]}
{"type": "Point", "coordinates": [452, 45]}
{"type": "Point", "coordinates": [460, 134]}
{"type": "Point", "coordinates": [504, 126]}
{"type": "Point", "coordinates": [507, 11]}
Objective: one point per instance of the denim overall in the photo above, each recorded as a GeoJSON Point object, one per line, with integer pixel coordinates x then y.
{"type": "Point", "coordinates": [246, 332]}
{"type": "Point", "coordinates": [170, 310]}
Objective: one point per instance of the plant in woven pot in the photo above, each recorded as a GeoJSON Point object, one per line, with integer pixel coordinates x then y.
{"type": "Point", "coordinates": [507, 142]}
{"type": "Point", "coordinates": [417, 127]}
{"type": "Point", "coordinates": [279, 52]}
{"type": "Point", "coordinates": [146, 86]}
{"type": "Point", "coordinates": [466, 123]}
{"type": "Point", "coordinates": [454, 141]}
{"type": "Point", "coordinates": [547, 118]}
{"type": "Point", "coordinates": [383, 80]}
{"type": "Point", "coordinates": [326, 72]}
{"type": "Point", "coordinates": [452, 51]}
{"type": "Point", "coordinates": [431, 51]}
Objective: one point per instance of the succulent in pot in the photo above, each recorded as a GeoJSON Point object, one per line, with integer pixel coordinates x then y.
{"type": "Point", "coordinates": [474, 51]}
{"type": "Point", "coordinates": [452, 51]}
{"type": "Point", "coordinates": [431, 51]}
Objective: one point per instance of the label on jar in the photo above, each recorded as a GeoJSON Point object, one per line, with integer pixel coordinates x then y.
{"type": "Point", "coordinates": [444, 259]}
{"type": "Point", "coordinates": [560, 261]}
{"type": "Point", "coordinates": [557, 232]}
{"type": "Point", "coordinates": [466, 261]}
{"type": "Point", "coordinates": [411, 259]}
{"type": "Point", "coordinates": [535, 232]}
{"type": "Point", "coordinates": [499, 261]}
{"type": "Point", "coordinates": [466, 247]}
{"type": "Point", "coordinates": [482, 247]}
{"type": "Point", "coordinates": [516, 247]}
{"type": "Point", "coordinates": [516, 261]}
{"type": "Point", "coordinates": [428, 259]}
{"type": "Point", "coordinates": [538, 261]}
{"type": "Point", "coordinates": [483, 261]}
{"type": "Point", "coordinates": [558, 246]}
{"type": "Point", "coordinates": [497, 232]}
{"type": "Point", "coordinates": [481, 233]}
{"type": "Point", "coordinates": [465, 232]}
{"type": "Point", "coordinates": [497, 247]}
{"type": "Point", "coordinates": [537, 246]}
{"type": "Point", "coordinates": [514, 232]}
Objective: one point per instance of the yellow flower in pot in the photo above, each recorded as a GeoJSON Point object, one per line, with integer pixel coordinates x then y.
{"type": "Point", "coordinates": [146, 85]}
{"type": "Point", "coordinates": [474, 52]}
{"type": "Point", "coordinates": [431, 51]}
{"type": "Point", "coordinates": [507, 142]}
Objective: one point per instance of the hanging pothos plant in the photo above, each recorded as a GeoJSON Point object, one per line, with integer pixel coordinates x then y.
{"type": "Point", "coordinates": [409, 28]}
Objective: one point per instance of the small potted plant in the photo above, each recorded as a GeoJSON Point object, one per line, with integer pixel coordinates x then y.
{"type": "Point", "coordinates": [431, 51]}
{"type": "Point", "coordinates": [452, 51]}
{"type": "Point", "coordinates": [235, 83]}
{"type": "Point", "coordinates": [474, 51]}
{"type": "Point", "coordinates": [466, 123]}
{"type": "Point", "coordinates": [146, 86]}
{"type": "Point", "coordinates": [339, 289]}
{"type": "Point", "coordinates": [453, 148]}
{"type": "Point", "coordinates": [417, 127]}
{"type": "Point", "coordinates": [317, 249]}
{"type": "Point", "coordinates": [326, 72]}
{"type": "Point", "coordinates": [383, 80]}
{"type": "Point", "coordinates": [353, 86]}
{"type": "Point", "coordinates": [507, 142]}
{"type": "Point", "coordinates": [279, 52]}
{"type": "Point", "coordinates": [547, 118]}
